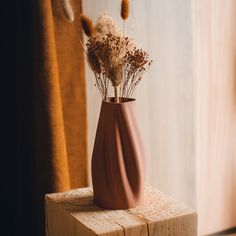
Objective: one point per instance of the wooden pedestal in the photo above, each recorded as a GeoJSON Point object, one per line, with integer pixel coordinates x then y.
{"type": "Point", "coordinates": [73, 213]}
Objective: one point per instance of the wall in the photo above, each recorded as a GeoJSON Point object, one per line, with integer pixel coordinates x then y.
{"type": "Point", "coordinates": [214, 34]}
{"type": "Point", "coordinates": [165, 96]}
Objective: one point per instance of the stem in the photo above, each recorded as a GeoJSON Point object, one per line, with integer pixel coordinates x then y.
{"type": "Point", "coordinates": [116, 94]}
{"type": "Point", "coordinates": [120, 92]}
{"type": "Point", "coordinates": [123, 28]}
{"type": "Point", "coordinates": [105, 95]}
{"type": "Point", "coordinates": [98, 85]}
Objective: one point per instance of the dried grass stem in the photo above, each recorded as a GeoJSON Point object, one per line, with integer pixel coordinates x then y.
{"type": "Point", "coordinates": [113, 57]}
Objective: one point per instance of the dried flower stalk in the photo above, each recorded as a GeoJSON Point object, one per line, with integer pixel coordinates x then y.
{"type": "Point", "coordinates": [87, 25]}
{"type": "Point", "coordinates": [124, 11]}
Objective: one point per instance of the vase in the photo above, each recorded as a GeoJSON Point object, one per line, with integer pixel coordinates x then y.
{"type": "Point", "coordinates": [118, 159]}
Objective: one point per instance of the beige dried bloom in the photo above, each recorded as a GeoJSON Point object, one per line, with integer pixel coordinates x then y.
{"type": "Point", "coordinates": [68, 10]}
{"type": "Point", "coordinates": [106, 25]}
{"type": "Point", "coordinates": [113, 57]}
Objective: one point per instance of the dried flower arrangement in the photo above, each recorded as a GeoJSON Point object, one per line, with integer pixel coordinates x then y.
{"type": "Point", "coordinates": [113, 57]}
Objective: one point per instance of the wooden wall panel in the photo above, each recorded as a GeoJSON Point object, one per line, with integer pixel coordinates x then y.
{"type": "Point", "coordinates": [214, 41]}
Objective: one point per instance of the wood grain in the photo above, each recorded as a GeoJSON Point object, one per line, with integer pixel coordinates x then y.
{"type": "Point", "coordinates": [73, 213]}
{"type": "Point", "coordinates": [214, 28]}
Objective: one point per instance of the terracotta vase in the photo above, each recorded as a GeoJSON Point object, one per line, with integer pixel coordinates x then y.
{"type": "Point", "coordinates": [118, 160]}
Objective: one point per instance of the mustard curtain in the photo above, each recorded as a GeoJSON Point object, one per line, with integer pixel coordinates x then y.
{"type": "Point", "coordinates": [60, 103]}
{"type": "Point", "coordinates": [49, 108]}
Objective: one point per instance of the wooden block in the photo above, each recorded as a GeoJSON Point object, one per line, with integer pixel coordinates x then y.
{"type": "Point", "coordinates": [73, 213]}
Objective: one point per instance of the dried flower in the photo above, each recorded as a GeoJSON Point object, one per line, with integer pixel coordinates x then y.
{"type": "Point", "coordinates": [105, 25]}
{"type": "Point", "coordinates": [115, 58]}
{"type": "Point", "coordinates": [68, 10]}
{"type": "Point", "coordinates": [87, 25]}
{"type": "Point", "coordinates": [124, 11]}
{"type": "Point", "coordinates": [94, 62]}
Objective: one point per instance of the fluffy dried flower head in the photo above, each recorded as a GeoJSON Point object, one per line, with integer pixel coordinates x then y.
{"type": "Point", "coordinates": [110, 53]}
{"type": "Point", "coordinates": [94, 61]}
{"type": "Point", "coordinates": [106, 25]}
{"type": "Point", "coordinates": [68, 10]}
{"type": "Point", "coordinates": [114, 57]}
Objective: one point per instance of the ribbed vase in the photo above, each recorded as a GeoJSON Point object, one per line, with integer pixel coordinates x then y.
{"type": "Point", "coordinates": [118, 160]}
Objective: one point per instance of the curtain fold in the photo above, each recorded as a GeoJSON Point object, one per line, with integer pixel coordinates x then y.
{"type": "Point", "coordinates": [60, 104]}
{"type": "Point", "coordinates": [49, 134]}
{"type": "Point", "coordinates": [49, 108]}
{"type": "Point", "coordinates": [72, 82]}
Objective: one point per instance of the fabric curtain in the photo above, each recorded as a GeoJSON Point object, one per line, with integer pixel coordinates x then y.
{"type": "Point", "coordinates": [49, 108]}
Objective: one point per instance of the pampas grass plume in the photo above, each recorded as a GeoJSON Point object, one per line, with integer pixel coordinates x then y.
{"type": "Point", "coordinates": [87, 25]}
{"type": "Point", "coordinates": [67, 8]}
{"type": "Point", "coordinates": [124, 11]}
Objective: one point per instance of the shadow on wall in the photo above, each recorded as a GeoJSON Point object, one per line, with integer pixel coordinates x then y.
{"type": "Point", "coordinates": [231, 231]}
